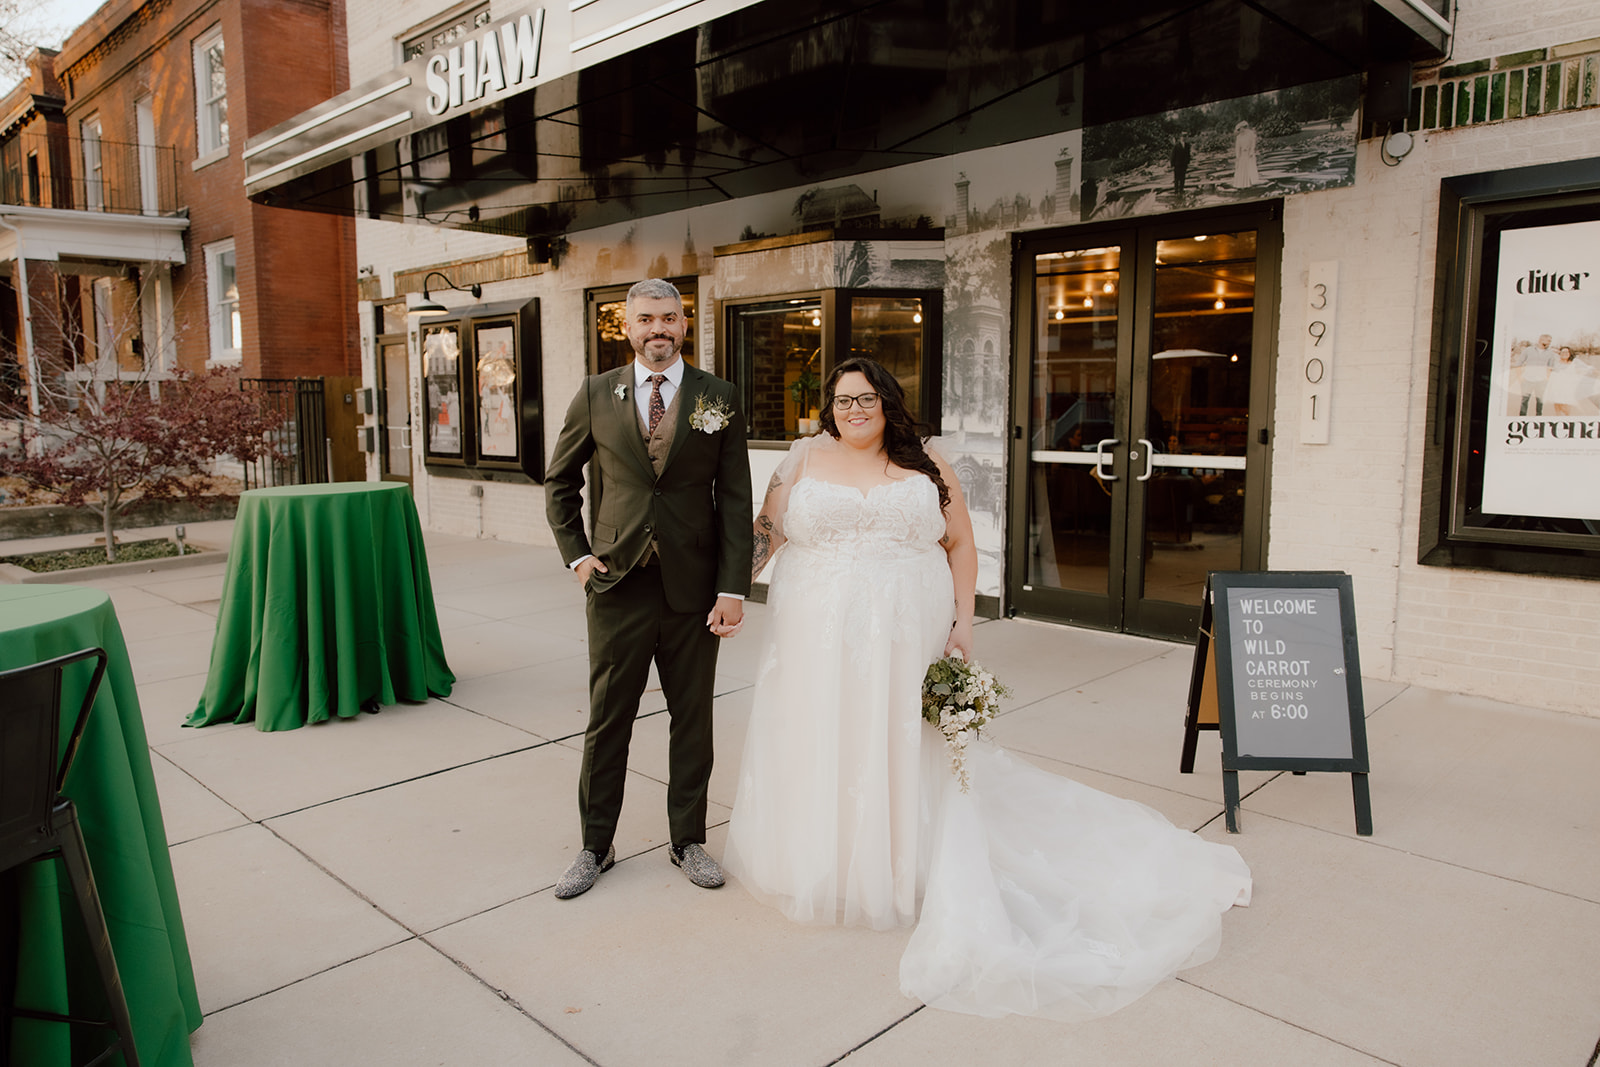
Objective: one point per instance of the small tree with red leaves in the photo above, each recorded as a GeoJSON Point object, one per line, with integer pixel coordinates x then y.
{"type": "Point", "coordinates": [123, 441]}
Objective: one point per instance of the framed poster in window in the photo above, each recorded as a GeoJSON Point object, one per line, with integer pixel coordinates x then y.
{"type": "Point", "coordinates": [1512, 466]}
{"type": "Point", "coordinates": [494, 347]}
{"type": "Point", "coordinates": [481, 375]}
{"type": "Point", "coordinates": [441, 371]}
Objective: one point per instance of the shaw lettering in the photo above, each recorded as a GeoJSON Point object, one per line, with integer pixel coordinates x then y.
{"type": "Point", "coordinates": [498, 60]}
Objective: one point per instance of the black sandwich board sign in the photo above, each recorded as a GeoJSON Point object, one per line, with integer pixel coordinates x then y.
{"type": "Point", "coordinates": [1277, 672]}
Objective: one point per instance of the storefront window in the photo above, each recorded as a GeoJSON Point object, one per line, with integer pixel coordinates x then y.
{"type": "Point", "coordinates": [783, 349]}
{"type": "Point", "coordinates": [779, 359]}
{"type": "Point", "coordinates": [480, 383]}
{"type": "Point", "coordinates": [1512, 467]}
{"type": "Point", "coordinates": [889, 329]}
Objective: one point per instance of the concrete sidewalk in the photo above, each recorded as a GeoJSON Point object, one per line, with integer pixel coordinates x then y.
{"type": "Point", "coordinates": [377, 890]}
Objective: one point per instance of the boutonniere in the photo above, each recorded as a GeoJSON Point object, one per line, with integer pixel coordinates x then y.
{"type": "Point", "coordinates": [621, 390]}
{"type": "Point", "coordinates": [709, 416]}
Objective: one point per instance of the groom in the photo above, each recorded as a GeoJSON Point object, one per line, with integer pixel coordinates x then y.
{"type": "Point", "coordinates": [665, 570]}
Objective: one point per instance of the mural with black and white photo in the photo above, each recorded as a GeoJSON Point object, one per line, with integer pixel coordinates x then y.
{"type": "Point", "coordinates": [992, 194]}
{"type": "Point", "coordinates": [1289, 141]}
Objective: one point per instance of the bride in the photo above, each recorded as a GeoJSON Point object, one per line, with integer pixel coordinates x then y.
{"type": "Point", "coordinates": [1037, 895]}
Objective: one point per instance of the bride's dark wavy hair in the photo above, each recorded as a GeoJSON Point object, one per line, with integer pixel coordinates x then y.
{"type": "Point", "coordinates": [902, 440]}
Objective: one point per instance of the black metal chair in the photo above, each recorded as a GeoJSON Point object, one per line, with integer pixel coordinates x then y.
{"type": "Point", "coordinates": [37, 823]}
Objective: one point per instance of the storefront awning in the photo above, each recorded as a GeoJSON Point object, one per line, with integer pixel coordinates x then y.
{"type": "Point", "coordinates": [553, 120]}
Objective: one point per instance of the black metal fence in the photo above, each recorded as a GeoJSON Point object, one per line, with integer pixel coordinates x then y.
{"type": "Point", "coordinates": [302, 439]}
{"type": "Point", "coordinates": [51, 170]}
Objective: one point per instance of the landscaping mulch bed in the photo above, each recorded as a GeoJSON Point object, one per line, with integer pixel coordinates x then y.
{"type": "Point", "coordinates": [66, 559]}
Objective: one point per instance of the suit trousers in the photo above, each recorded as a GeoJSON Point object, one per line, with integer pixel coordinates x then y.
{"type": "Point", "coordinates": [629, 625]}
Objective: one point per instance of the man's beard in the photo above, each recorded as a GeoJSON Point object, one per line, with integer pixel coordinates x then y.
{"type": "Point", "coordinates": [645, 355]}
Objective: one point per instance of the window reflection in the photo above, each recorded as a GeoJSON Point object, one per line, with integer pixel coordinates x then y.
{"type": "Point", "coordinates": [890, 330]}
{"type": "Point", "coordinates": [609, 336]}
{"type": "Point", "coordinates": [779, 346]}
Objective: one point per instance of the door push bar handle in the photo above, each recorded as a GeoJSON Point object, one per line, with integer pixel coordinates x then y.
{"type": "Point", "coordinates": [1100, 458]}
{"type": "Point", "coordinates": [1149, 460]}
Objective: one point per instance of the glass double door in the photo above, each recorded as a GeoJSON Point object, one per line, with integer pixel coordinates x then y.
{"type": "Point", "coordinates": [1145, 358]}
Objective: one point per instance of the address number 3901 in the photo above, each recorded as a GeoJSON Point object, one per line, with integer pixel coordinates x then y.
{"type": "Point", "coordinates": [1317, 383]}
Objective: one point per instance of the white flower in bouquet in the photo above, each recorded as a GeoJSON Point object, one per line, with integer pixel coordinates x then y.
{"type": "Point", "coordinates": [960, 698]}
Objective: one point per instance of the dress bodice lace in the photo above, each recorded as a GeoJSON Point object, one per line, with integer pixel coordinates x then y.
{"type": "Point", "coordinates": [895, 519]}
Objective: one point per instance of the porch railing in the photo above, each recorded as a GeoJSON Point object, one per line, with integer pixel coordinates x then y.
{"type": "Point", "coordinates": [44, 170]}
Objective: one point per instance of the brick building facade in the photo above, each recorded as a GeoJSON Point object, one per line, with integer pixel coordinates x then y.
{"type": "Point", "coordinates": [152, 103]}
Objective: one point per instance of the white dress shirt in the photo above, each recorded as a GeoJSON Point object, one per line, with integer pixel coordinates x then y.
{"type": "Point", "coordinates": [642, 385]}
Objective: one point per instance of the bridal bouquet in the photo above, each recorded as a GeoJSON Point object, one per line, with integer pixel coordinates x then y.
{"type": "Point", "coordinates": [960, 698]}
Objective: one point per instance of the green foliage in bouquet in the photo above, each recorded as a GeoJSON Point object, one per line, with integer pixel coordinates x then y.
{"type": "Point", "coordinates": [960, 698]}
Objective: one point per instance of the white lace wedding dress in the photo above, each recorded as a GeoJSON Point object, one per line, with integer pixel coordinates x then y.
{"type": "Point", "coordinates": [1037, 895]}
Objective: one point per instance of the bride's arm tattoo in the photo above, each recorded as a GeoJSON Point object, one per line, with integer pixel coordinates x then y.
{"type": "Point", "coordinates": [761, 538]}
{"type": "Point", "coordinates": [761, 542]}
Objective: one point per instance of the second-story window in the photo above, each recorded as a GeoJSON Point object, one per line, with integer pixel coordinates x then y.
{"type": "Point", "coordinates": [94, 186]}
{"type": "Point", "coordinates": [210, 93]}
{"type": "Point", "coordinates": [444, 34]}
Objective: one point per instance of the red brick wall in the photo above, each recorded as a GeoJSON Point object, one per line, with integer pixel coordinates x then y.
{"type": "Point", "coordinates": [296, 270]}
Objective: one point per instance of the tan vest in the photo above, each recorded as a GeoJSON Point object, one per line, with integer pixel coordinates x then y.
{"type": "Point", "coordinates": [658, 445]}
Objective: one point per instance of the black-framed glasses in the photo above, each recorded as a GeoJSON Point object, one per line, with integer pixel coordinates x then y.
{"type": "Point", "coordinates": [866, 402]}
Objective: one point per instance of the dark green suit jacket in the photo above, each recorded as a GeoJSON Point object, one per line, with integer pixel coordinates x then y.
{"type": "Point", "coordinates": [698, 510]}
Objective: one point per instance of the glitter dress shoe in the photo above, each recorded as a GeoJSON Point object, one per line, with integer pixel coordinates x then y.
{"type": "Point", "coordinates": [583, 873]}
{"type": "Point", "coordinates": [700, 868]}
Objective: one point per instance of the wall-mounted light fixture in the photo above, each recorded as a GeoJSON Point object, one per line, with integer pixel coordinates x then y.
{"type": "Point", "coordinates": [1396, 146]}
{"type": "Point", "coordinates": [430, 306]}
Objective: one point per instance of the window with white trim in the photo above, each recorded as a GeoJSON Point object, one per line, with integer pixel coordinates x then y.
{"type": "Point", "coordinates": [144, 124]}
{"type": "Point", "coordinates": [210, 93]}
{"type": "Point", "coordinates": [94, 178]}
{"type": "Point", "coordinates": [105, 333]}
{"type": "Point", "coordinates": [222, 289]}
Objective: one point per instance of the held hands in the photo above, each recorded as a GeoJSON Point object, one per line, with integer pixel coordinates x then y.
{"type": "Point", "coordinates": [727, 617]}
{"type": "Point", "coordinates": [960, 642]}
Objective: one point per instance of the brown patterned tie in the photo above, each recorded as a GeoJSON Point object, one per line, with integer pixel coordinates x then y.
{"type": "Point", "coordinates": [657, 408]}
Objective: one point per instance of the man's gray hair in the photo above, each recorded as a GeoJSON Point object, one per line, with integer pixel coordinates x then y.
{"type": "Point", "coordinates": [654, 289]}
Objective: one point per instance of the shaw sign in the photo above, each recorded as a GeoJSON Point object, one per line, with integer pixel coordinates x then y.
{"type": "Point", "coordinates": [478, 70]}
{"type": "Point", "coordinates": [501, 61]}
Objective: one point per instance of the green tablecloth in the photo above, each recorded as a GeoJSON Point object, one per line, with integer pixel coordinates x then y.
{"type": "Point", "coordinates": [115, 794]}
{"type": "Point", "coordinates": [326, 605]}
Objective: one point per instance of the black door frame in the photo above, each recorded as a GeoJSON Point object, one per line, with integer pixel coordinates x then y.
{"type": "Point", "coordinates": [1122, 608]}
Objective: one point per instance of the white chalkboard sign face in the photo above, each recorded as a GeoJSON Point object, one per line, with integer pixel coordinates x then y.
{"type": "Point", "coordinates": [1288, 673]}
{"type": "Point", "coordinates": [1289, 681]}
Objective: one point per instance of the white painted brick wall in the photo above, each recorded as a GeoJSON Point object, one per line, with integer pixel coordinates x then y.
{"type": "Point", "coordinates": [1489, 28]}
{"type": "Point", "coordinates": [1354, 503]}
